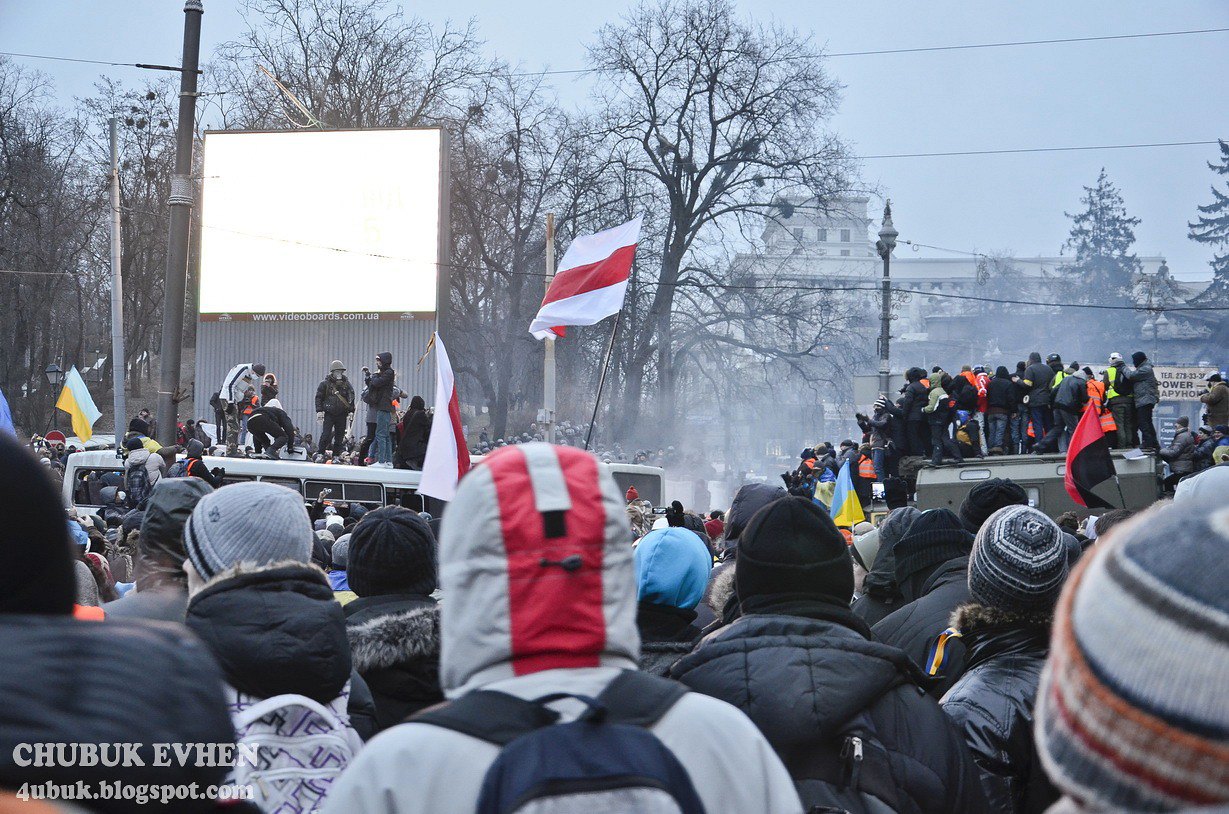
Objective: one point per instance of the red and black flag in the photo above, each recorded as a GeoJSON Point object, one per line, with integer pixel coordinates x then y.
{"type": "Point", "coordinates": [1088, 462]}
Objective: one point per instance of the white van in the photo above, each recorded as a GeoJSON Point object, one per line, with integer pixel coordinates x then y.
{"type": "Point", "coordinates": [84, 473]}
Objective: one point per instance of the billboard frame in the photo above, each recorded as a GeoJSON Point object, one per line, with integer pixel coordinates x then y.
{"type": "Point", "coordinates": [443, 259]}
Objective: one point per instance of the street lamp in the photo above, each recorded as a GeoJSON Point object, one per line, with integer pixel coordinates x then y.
{"type": "Point", "coordinates": [55, 378]}
{"type": "Point", "coordinates": [884, 246]}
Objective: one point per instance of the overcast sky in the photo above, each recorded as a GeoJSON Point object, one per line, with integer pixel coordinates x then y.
{"type": "Point", "coordinates": [1132, 91]}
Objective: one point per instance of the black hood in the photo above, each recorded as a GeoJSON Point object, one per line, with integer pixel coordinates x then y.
{"type": "Point", "coordinates": [751, 497]}
{"type": "Point", "coordinates": [71, 681]}
{"type": "Point", "coordinates": [160, 551]}
{"type": "Point", "coordinates": [813, 675]}
{"type": "Point", "coordinates": [398, 654]}
{"type": "Point", "coordinates": [275, 630]}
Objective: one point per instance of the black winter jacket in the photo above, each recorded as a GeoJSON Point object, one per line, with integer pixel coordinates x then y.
{"type": "Point", "coordinates": [380, 390]}
{"type": "Point", "coordinates": [395, 647]}
{"type": "Point", "coordinates": [992, 706]}
{"type": "Point", "coordinates": [278, 629]}
{"type": "Point", "coordinates": [1041, 375]}
{"type": "Point", "coordinates": [1002, 395]}
{"type": "Point", "coordinates": [917, 626]}
{"type": "Point", "coordinates": [880, 594]}
{"type": "Point", "coordinates": [917, 395]}
{"type": "Point", "coordinates": [810, 678]}
{"type": "Point", "coordinates": [269, 418]}
{"type": "Point", "coordinates": [412, 449]}
{"type": "Point", "coordinates": [69, 681]}
{"type": "Point", "coordinates": [335, 396]}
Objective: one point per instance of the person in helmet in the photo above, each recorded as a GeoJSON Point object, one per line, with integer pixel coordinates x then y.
{"type": "Point", "coordinates": [334, 405]}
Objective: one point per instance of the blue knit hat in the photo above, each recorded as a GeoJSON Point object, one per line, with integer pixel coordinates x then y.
{"type": "Point", "coordinates": [672, 568]}
{"type": "Point", "coordinates": [1019, 561]}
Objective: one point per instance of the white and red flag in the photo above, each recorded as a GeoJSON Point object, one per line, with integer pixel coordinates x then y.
{"type": "Point", "coordinates": [591, 281]}
{"type": "Point", "coordinates": [447, 458]}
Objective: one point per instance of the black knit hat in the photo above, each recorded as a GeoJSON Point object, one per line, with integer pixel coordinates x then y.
{"type": "Point", "coordinates": [392, 551]}
{"type": "Point", "coordinates": [750, 498]}
{"type": "Point", "coordinates": [791, 546]}
{"type": "Point", "coordinates": [934, 537]}
{"type": "Point", "coordinates": [38, 576]}
{"type": "Point", "coordinates": [988, 497]}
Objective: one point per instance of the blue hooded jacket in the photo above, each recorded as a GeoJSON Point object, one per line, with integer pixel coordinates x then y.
{"type": "Point", "coordinates": [672, 568]}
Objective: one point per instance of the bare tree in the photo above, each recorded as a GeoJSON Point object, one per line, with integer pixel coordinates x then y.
{"type": "Point", "coordinates": [723, 117]}
{"type": "Point", "coordinates": [351, 63]}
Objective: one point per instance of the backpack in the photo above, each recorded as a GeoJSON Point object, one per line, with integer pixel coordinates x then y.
{"type": "Point", "coordinates": [302, 747]}
{"type": "Point", "coordinates": [853, 775]}
{"type": "Point", "coordinates": [136, 484]}
{"type": "Point", "coordinates": [179, 469]}
{"type": "Point", "coordinates": [605, 760]}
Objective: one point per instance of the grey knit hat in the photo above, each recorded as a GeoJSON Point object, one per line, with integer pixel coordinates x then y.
{"type": "Point", "coordinates": [341, 553]}
{"type": "Point", "coordinates": [1019, 561]}
{"type": "Point", "coordinates": [251, 522]}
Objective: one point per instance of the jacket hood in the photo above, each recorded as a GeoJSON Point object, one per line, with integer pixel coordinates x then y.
{"type": "Point", "coordinates": [274, 629]}
{"type": "Point", "coordinates": [1001, 372]}
{"type": "Point", "coordinates": [536, 568]}
{"type": "Point", "coordinates": [395, 638]}
{"type": "Point", "coordinates": [672, 568]}
{"type": "Point", "coordinates": [139, 456]}
{"type": "Point", "coordinates": [751, 497]}
{"type": "Point", "coordinates": [385, 359]}
{"type": "Point", "coordinates": [160, 550]}
{"type": "Point", "coordinates": [768, 656]}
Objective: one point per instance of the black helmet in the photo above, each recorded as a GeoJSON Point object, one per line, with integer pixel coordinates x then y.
{"type": "Point", "coordinates": [1053, 357]}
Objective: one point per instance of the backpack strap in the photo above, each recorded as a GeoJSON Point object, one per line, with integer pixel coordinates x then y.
{"type": "Point", "coordinates": [488, 715]}
{"type": "Point", "coordinates": [639, 699]}
{"type": "Point", "coordinates": [632, 698]}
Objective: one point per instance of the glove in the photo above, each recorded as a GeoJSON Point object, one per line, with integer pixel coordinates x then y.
{"type": "Point", "coordinates": [218, 472]}
{"type": "Point", "coordinates": [320, 415]}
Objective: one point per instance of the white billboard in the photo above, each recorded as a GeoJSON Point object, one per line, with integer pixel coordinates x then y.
{"type": "Point", "coordinates": [344, 221]}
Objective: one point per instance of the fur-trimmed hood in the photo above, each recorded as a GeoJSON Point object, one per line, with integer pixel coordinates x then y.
{"type": "Point", "coordinates": [274, 629]}
{"type": "Point", "coordinates": [387, 641]}
{"type": "Point", "coordinates": [721, 588]}
{"type": "Point", "coordinates": [971, 617]}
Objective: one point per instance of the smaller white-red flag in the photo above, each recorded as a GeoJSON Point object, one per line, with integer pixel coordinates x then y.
{"type": "Point", "coordinates": [590, 282]}
{"type": "Point", "coordinates": [447, 458]}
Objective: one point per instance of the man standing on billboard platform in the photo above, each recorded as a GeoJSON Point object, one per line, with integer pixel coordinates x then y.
{"type": "Point", "coordinates": [380, 386]}
{"type": "Point", "coordinates": [238, 379]}
{"type": "Point", "coordinates": [334, 404]}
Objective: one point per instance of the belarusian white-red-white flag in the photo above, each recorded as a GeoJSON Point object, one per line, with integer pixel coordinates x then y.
{"type": "Point", "coordinates": [447, 458]}
{"type": "Point", "coordinates": [590, 282]}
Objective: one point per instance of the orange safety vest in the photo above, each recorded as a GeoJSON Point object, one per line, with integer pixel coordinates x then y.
{"type": "Point", "coordinates": [251, 405]}
{"type": "Point", "coordinates": [866, 468]}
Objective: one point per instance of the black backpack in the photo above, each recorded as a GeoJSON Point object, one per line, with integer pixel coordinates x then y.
{"type": "Point", "coordinates": [606, 759]}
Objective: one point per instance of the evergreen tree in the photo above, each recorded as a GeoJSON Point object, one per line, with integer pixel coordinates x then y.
{"type": "Point", "coordinates": [1104, 268]}
{"type": "Point", "coordinates": [1213, 228]}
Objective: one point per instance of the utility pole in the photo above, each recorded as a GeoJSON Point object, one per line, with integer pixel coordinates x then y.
{"type": "Point", "coordinates": [884, 246]}
{"type": "Point", "coordinates": [548, 367]}
{"type": "Point", "coordinates": [118, 368]}
{"type": "Point", "coordinates": [181, 216]}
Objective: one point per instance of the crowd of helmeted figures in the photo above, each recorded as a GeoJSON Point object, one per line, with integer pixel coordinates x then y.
{"type": "Point", "coordinates": [548, 640]}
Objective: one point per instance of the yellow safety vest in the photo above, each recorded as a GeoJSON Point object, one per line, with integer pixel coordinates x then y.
{"type": "Point", "coordinates": [1059, 375]}
{"type": "Point", "coordinates": [1111, 392]}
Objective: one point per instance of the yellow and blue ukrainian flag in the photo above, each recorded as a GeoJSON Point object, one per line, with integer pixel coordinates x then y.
{"type": "Point", "coordinates": [75, 400]}
{"type": "Point", "coordinates": [846, 508]}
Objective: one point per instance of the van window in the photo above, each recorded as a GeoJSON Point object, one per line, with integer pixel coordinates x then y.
{"type": "Point", "coordinates": [229, 479]}
{"type": "Point", "coordinates": [647, 486]}
{"type": "Point", "coordinates": [88, 485]}
{"type": "Point", "coordinates": [363, 493]}
{"type": "Point", "coordinates": [293, 484]}
{"type": "Point", "coordinates": [314, 487]}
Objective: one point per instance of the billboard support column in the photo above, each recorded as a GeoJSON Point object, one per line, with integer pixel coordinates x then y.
{"type": "Point", "coordinates": [118, 366]}
{"type": "Point", "coordinates": [181, 214]}
{"type": "Point", "coordinates": [548, 368]}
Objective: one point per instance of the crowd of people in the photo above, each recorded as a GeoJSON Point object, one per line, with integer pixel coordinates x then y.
{"type": "Point", "coordinates": [556, 638]}
{"type": "Point", "coordinates": [1034, 409]}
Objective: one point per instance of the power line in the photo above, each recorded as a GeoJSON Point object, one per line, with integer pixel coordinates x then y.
{"type": "Point", "coordinates": [1016, 150]}
{"type": "Point", "coordinates": [143, 65]}
{"type": "Point", "coordinates": [934, 48]}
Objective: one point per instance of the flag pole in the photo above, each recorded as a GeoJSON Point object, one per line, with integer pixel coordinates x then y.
{"type": "Point", "coordinates": [118, 366]}
{"type": "Point", "coordinates": [601, 382]}
{"type": "Point", "coordinates": [548, 367]}
{"type": "Point", "coordinates": [1120, 495]}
